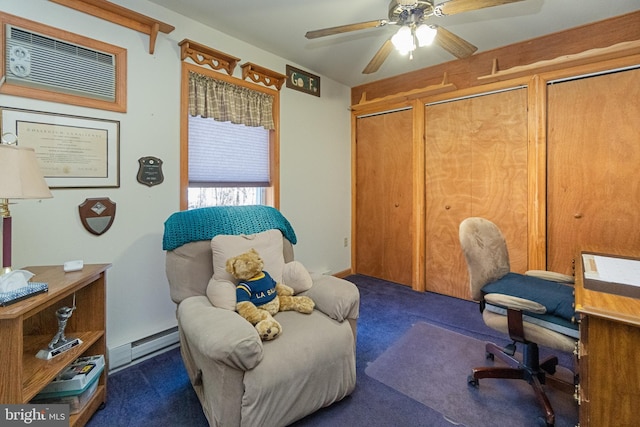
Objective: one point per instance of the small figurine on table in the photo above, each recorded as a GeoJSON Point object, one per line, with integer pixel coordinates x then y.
{"type": "Point", "coordinates": [63, 314]}
{"type": "Point", "coordinates": [60, 343]}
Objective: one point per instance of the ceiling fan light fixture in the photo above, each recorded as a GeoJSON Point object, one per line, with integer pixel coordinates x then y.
{"type": "Point", "coordinates": [425, 35]}
{"type": "Point", "coordinates": [403, 40]}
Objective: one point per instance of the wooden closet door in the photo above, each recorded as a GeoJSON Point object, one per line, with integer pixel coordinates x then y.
{"type": "Point", "coordinates": [448, 191]}
{"type": "Point", "coordinates": [593, 198]}
{"type": "Point", "coordinates": [476, 165]}
{"type": "Point", "coordinates": [384, 200]}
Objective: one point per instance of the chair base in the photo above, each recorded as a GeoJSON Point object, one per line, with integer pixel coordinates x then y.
{"type": "Point", "coordinates": [530, 369]}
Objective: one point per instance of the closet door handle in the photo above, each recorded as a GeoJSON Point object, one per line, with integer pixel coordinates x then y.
{"type": "Point", "coordinates": [447, 207]}
{"type": "Point", "coordinates": [577, 215]}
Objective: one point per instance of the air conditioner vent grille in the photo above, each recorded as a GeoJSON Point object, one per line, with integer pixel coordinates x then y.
{"type": "Point", "coordinates": [60, 66]}
{"type": "Point", "coordinates": [36, 39]}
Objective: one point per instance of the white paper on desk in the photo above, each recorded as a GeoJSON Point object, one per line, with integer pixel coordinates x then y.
{"type": "Point", "coordinates": [615, 270]}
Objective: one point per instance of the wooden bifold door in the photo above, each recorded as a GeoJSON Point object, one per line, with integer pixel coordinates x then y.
{"type": "Point", "coordinates": [593, 191]}
{"type": "Point", "coordinates": [476, 165]}
{"type": "Point", "coordinates": [384, 196]}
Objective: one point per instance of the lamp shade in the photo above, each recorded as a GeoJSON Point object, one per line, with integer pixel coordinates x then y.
{"type": "Point", "coordinates": [20, 175]}
{"type": "Point", "coordinates": [403, 40]}
{"type": "Point", "coordinates": [425, 35]}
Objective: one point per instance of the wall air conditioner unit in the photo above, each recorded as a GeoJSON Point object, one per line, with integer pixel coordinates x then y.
{"type": "Point", "coordinates": [43, 62]}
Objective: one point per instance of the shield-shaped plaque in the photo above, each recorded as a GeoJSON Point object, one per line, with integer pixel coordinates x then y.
{"type": "Point", "coordinates": [150, 172]}
{"type": "Point", "coordinates": [97, 215]}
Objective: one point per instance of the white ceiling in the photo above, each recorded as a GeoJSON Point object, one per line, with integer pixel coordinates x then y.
{"type": "Point", "coordinates": [279, 26]}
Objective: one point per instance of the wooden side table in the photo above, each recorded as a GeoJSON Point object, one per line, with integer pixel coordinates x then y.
{"type": "Point", "coordinates": [29, 325]}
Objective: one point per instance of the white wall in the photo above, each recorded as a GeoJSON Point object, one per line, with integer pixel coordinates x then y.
{"type": "Point", "coordinates": [315, 169]}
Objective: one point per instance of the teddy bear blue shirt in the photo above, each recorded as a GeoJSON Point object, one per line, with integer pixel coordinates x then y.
{"type": "Point", "coordinates": [259, 290]}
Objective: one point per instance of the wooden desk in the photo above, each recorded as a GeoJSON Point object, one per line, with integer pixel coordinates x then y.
{"type": "Point", "coordinates": [609, 357]}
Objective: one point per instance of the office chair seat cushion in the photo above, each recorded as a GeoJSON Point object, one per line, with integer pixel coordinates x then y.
{"type": "Point", "coordinates": [538, 334]}
{"type": "Point", "coordinates": [554, 323]}
{"type": "Point", "coordinates": [557, 298]}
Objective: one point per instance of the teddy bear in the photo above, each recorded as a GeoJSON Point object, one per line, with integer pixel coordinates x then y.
{"type": "Point", "coordinates": [259, 297]}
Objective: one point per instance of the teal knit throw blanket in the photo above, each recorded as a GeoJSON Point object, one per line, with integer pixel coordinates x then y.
{"type": "Point", "coordinates": [206, 223]}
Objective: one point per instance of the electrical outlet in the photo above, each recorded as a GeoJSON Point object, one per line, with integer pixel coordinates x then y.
{"type": "Point", "coordinates": [346, 242]}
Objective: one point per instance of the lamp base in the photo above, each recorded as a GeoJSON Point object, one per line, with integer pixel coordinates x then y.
{"type": "Point", "coordinates": [6, 236]}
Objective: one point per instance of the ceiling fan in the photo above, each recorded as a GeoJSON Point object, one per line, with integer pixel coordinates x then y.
{"type": "Point", "coordinates": [411, 16]}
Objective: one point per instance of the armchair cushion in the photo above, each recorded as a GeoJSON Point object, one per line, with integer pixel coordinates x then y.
{"type": "Point", "coordinates": [309, 366]}
{"type": "Point", "coordinates": [222, 293]}
{"type": "Point", "coordinates": [296, 276]}
{"type": "Point", "coordinates": [555, 297]}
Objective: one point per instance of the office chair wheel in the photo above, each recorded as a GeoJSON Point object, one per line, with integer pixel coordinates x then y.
{"type": "Point", "coordinates": [473, 381]}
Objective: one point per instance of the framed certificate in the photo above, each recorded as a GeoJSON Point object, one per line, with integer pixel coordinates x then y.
{"type": "Point", "coordinates": [73, 151]}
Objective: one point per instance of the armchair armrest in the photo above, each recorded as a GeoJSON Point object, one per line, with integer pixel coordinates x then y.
{"type": "Point", "coordinates": [219, 334]}
{"type": "Point", "coordinates": [551, 276]}
{"type": "Point", "coordinates": [515, 303]}
{"type": "Point", "coordinates": [337, 298]}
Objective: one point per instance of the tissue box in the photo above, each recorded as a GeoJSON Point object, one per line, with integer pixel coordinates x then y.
{"type": "Point", "coordinates": [32, 288]}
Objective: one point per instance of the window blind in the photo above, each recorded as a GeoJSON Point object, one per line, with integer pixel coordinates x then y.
{"type": "Point", "coordinates": [223, 154]}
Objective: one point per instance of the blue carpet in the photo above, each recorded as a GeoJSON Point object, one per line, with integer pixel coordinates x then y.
{"type": "Point", "coordinates": [157, 392]}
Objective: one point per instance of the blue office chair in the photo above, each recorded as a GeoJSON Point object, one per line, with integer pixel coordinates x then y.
{"type": "Point", "coordinates": [535, 308]}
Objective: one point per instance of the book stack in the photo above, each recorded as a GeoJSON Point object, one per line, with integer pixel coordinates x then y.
{"type": "Point", "coordinates": [74, 385]}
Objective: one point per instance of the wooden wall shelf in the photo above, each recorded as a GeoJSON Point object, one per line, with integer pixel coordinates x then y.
{"type": "Point", "coordinates": [262, 75]}
{"type": "Point", "coordinates": [204, 55]}
{"type": "Point", "coordinates": [443, 87]}
{"type": "Point", "coordinates": [565, 61]}
{"type": "Point", "coordinates": [121, 16]}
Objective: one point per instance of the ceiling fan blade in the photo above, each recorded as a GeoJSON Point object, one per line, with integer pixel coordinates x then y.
{"type": "Point", "coordinates": [380, 56]}
{"type": "Point", "coordinates": [345, 28]}
{"type": "Point", "coordinates": [452, 7]}
{"type": "Point", "coordinates": [456, 45]}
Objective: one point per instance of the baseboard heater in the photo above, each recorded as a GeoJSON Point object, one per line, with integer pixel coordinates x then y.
{"type": "Point", "coordinates": [142, 349]}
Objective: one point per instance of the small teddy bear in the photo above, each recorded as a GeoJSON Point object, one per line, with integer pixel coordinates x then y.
{"type": "Point", "coordinates": [259, 297]}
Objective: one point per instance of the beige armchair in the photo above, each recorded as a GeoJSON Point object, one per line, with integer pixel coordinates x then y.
{"type": "Point", "coordinates": [535, 308]}
{"type": "Point", "coordinates": [239, 379]}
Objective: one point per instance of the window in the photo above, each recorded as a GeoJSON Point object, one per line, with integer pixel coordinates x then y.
{"type": "Point", "coordinates": [223, 163]}
{"type": "Point", "coordinates": [228, 163]}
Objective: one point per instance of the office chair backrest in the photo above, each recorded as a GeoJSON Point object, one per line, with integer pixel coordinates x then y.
{"type": "Point", "coordinates": [485, 251]}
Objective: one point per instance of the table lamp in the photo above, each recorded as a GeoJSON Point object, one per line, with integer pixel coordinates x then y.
{"type": "Point", "coordinates": [20, 178]}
